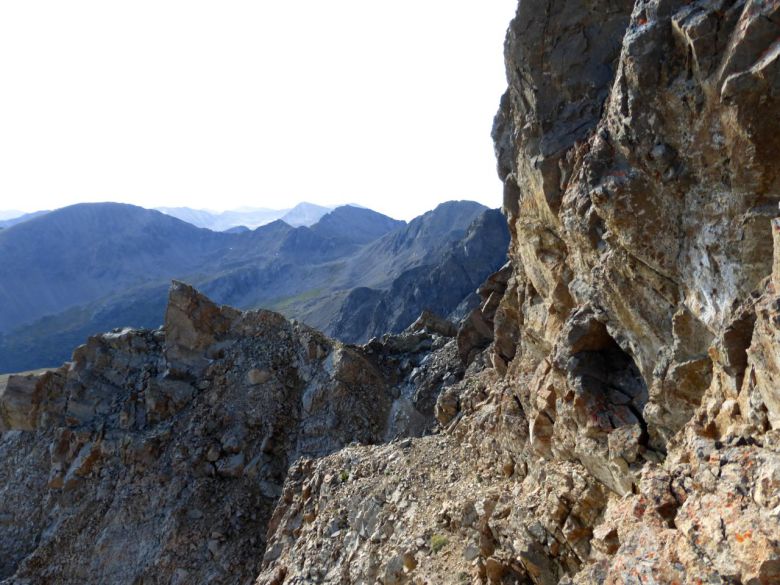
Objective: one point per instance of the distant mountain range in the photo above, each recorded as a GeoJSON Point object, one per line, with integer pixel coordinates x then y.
{"type": "Point", "coordinates": [248, 218]}
{"type": "Point", "coordinates": [354, 273]}
{"type": "Point", "coordinates": [9, 214]}
{"type": "Point", "coordinates": [303, 214]}
{"type": "Point", "coordinates": [11, 218]}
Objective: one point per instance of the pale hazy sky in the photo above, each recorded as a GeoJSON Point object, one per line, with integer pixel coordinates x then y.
{"type": "Point", "coordinates": [250, 103]}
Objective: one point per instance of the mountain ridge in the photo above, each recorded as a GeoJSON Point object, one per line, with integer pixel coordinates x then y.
{"type": "Point", "coordinates": [302, 214]}
{"type": "Point", "coordinates": [298, 270]}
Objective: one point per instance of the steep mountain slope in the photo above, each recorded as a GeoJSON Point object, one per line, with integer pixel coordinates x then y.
{"type": "Point", "coordinates": [417, 244]}
{"type": "Point", "coordinates": [440, 236]}
{"type": "Point", "coordinates": [438, 285]}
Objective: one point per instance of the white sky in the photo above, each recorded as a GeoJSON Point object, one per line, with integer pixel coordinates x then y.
{"type": "Point", "coordinates": [250, 103]}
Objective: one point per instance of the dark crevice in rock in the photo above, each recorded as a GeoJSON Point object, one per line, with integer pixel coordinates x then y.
{"type": "Point", "coordinates": [611, 380]}
{"type": "Point", "coordinates": [608, 398]}
{"type": "Point", "coordinates": [519, 404]}
{"type": "Point", "coordinates": [736, 341]}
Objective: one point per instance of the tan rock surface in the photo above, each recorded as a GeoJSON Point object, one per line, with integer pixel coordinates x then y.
{"type": "Point", "coordinates": [634, 400]}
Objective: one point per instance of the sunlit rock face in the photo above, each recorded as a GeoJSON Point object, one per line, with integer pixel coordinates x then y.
{"type": "Point", "coordinates": [638, 146]}
{"type": "Point", "coordinates": [628, 429]}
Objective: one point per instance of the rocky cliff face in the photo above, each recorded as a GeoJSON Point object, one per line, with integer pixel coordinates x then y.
{"type": "Point", "coordinates": [628, 430]}
{"type": "Point", "coordinates": [609, 414]}
{"type": "Point", "coordinates": [158, 456]}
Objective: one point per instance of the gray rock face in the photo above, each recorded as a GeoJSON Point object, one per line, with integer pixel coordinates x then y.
{"type": "Point", "coordinates": [158, 456]}
{"type": "Point", "coordinates": [19, 402]}
{"type": "Point", "coordinates": [640, 193]}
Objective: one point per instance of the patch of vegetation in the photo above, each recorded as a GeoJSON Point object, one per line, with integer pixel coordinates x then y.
{"type": "Point", "coordinates": [438, 542]}
{"type": "Point", "coordinates": [285, 303]}
{"type": "Point", "coordinates": [344, 475]}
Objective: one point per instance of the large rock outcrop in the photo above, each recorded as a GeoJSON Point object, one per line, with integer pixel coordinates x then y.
{"type": "Point", "coordinates": [158, 456]}
{"type": "Point", "coordinates": [628, 431]}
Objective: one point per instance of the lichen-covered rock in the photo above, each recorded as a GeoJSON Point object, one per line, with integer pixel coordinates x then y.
{"type": "Point", "coordinates": [647, 330]}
